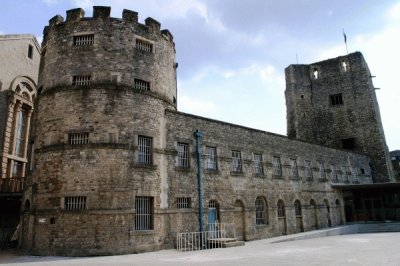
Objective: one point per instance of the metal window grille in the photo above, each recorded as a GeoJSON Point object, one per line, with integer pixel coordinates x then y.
{"type": "Point", "coordinates": [20, 132]}
{"type": "Point", "coordinates": [258, 165]}
{"type": "Point", "coordinates": [276, 161]}
{"type": "Point", "coordinates": [142, 85]}
{"type": "Point", "coordinates": [260, 211]}
{"type": "Point", "coordinates": [75, 203]}
{"type": "Point", "coordinates": [321, 170]}
{"type": "Point", "coordinates": [78, 138]}
{"type": "Point", "coordinates": [336, 99]}
{"type": "Point", "coordinates": [344, 174]}
{"type": "Point", "coordinates": [144, 46]}
{"type": "Point", "coordinates": [145, 147]}
{"type": "Point", "coordinates": [297, 208]}
{"type": "Point", "coordinates": [293, 168]}
{"type": "Point", "coordinates": [281, 209]}
{"type": "Point", "coordinates": [308, 170]}
{"type": "Point", "coordinates": [183, 203]}
{"type": "Point", "coordinates": [17, 169]}
{"type": "Point", "coordinates": [183, 155]}
{"type": "Point", "coordinates": [82, 40]}
{"type": "Point", "coordinates": [81, 80]}
{"type": "Point", "coordinates": [354, 175]}
{"type": "Point", "coordinates": [144, 213]}
{"type": "Point", "coordinates": [211, 158]}
{"type": "Point", "coordinates": [236, 162]}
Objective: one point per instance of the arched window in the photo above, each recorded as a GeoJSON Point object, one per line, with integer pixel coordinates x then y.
{"type": "Point", "coordinates": [297, 208]}
{"type": "Point", "coordinates": [261, 214]}
{"type": "Point", "coordinates": [281, 209]}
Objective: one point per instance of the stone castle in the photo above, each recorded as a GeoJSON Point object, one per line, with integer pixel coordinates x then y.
{"type": "Point", "coordinates": [114, 166]}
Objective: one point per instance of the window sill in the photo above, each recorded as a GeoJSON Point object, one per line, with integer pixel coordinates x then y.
{"type": "Point", "coordinates": [183, 169]}
{"type": "Point", "coordinates": [145, 166]}
{"type": "Point", "coordinates": [295, 178]}
{"type": "Point", "coordinates": [260, 175]}
{"type": "Point", "coordinates": [236, 173]}
{"type": "Point", "coordinates": [277, 176]}
{"type": "Point", "coordinates": [322, 180]}
{"type": "Point", "coordinates": [142, 232]}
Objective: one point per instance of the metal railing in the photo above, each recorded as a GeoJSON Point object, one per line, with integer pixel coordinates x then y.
{"type": "Point", "coordinates": [215, 236]}
{"type": "Point", "coordinates": [11, 185]}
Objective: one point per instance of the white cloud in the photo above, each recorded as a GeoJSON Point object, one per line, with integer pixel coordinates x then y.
{"type": "Point", "coordinates": [197, 106]}
{"type": "Point", "coordinates": [380, 52]}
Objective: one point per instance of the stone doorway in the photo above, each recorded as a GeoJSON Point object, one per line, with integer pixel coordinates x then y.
{"type": "Point", "coordinates": [239, 219]}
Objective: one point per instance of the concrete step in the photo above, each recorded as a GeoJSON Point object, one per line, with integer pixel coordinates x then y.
{"type": "Point", "coordinates": [231, 244]}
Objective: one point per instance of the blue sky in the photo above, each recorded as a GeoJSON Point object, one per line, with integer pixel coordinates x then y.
{"type": "Point", "coordinates": [232, 54]}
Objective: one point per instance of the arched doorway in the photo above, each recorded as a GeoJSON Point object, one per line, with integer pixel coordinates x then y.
{"type": "Point", "coordinates": [299, 216]}
{"type": "Point", "coordinates": [339, 211]}
{"type": "Point", "coordinates": [313, 214]}
{"type": "Point", "coordinates": [328, 213]}
{"type": "Point", "coordinates": [212, 216]}
{"type": "Point", "coordinates": [239, 219]}
{"type": "Point", "coordinates": [281, 217]}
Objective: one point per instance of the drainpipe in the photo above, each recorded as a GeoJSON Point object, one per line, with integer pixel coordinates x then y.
{"type": "Point", "coordinates": [199, 135]}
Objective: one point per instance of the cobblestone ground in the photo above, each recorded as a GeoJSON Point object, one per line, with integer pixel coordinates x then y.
{"type": "Point", "coordinates": [357, 249]}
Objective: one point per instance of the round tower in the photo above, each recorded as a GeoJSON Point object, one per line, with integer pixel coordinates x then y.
{"type": "Point", "coordinates": [98, 178]}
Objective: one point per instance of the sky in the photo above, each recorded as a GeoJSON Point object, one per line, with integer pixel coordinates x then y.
{"type": "Point", "coordinates": [232, 53]}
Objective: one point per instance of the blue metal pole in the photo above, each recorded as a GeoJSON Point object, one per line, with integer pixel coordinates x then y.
{"type": "Point", "coordinates": [199, 135]}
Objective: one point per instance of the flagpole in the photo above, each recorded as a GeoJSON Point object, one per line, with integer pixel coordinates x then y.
{"type": "Point", "coordinates": [345, 41]}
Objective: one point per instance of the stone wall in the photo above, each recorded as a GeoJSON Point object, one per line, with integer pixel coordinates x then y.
{"type": "Point", "coordinates": [228, 188]}
{"type": "Point", "coordinates": [355, 117]}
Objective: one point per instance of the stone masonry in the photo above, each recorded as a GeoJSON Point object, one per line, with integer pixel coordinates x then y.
{"type": "Point", "coordinates": [115, 167]}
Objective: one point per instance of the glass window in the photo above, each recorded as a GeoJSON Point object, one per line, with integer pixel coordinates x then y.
{"type": "Point", "coordinates": [258, 164]}
{"type": "Point", "coordinates": [276, 161]}
{"type": "Point", "coordinates": [145, 150]}
{"type": "Point", "coordinates": [183, 155]}
{"type": "Point", "coordinates": [211, 158]}
{"type": "Point", "coordinates": [236, 162]}
{"type": "Point", "coordinates": [260, 211]}
{"type": "Point", "coordinates": [143, 213]}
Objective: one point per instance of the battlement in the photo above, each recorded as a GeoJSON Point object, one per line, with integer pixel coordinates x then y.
{"type": "Point", "coordinates": [103, 13]}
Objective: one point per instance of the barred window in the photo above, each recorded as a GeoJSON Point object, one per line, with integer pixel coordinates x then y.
{"type": "Point", "coordinates": [142, 85]}
{"type": "Point", "coordinates": [308, 170]}
{"type": "Point", "coordinates": [183, 203]}
{"type": "Point", "coordinates": [258, 164]}
{"type": "Point", "coordinates": [78, 138]}
{"type": "Point", "coordinates": [276, 161]}
{"type": "Point", "coordinates": [75, 203]}
{"type": "Point", "coordinates": [354, 177]}
{"type": "Point", "coordinates": [293, 168]}
{"type": "Point", "coordinates": [297, 208]}
{"type": "Point", "coordinates": [345, 177]}
{"type": "Point", "coordinates": [144, 46]}
{"type": "Point", "coordinates": [143, 213]}
{"type": "Point", "coordinates": [183, 155]}
{"type": "Point", "coordinates": [81, 80]}
{"type": "Point", "coordinates": [211, 158]}
{"type": "Point", "coordinates": [336, 99]}
{"type": "Point", "coordinates": [236, 162]}
{"type": "Point", "coordinates": [82, 40]}
{"type": "Point", "coordinates": [321, 170]}
{"type": "Point", "coordinates": [260, 211]}
{"type": "Point", "coordinates": [145, 147]}
{"type": "Point", "coordinates": [281, 209]}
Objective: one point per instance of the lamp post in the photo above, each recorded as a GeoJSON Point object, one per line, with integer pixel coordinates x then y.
{"type": "Point", "coordinates": [199, 135]}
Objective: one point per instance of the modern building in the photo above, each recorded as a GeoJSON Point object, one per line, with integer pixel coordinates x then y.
{"type": "Point", "coordinates": [115, 168]}
{"type": "Point", "coordinates": [19, 58]}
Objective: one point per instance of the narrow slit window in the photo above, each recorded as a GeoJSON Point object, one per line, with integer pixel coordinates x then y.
{"type": "Point", "coordinates": [83, 40]}
{"type": "Point", "coordinates": [315, 73]}
{"type": "Point", "coordinates": [30, 51]}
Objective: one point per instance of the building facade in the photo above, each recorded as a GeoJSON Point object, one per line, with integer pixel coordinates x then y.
{"type": "Point", "coordinates": [114, 166]}
{"type": "Point", "coordinates": [19, 58]}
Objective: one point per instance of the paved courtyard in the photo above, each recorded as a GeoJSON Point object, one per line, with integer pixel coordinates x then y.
{"type": "Point", "coordinates": [356, 249]}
